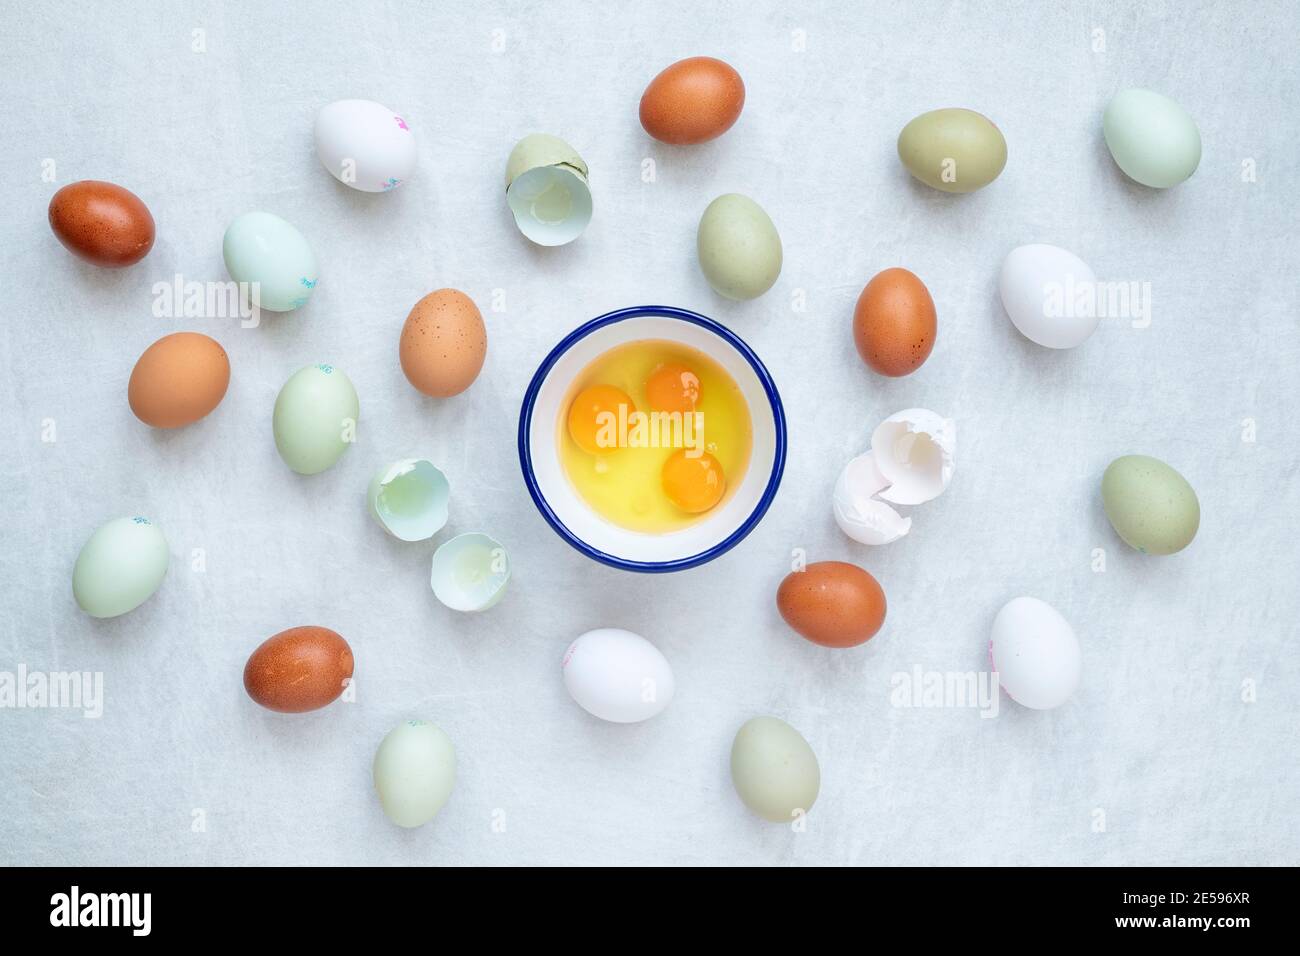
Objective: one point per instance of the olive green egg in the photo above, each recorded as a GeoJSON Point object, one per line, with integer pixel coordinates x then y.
{"type": "Point", "coordinates": [774, 770]}
{"type": "Point", "coordinates": [953, 150]}
{"type": "Point", "coordinates": [1150, 506]}
{"type": "Point", "coordinates": [739, 249]}
{"type": "Point", "coordinates": [1153, 139]}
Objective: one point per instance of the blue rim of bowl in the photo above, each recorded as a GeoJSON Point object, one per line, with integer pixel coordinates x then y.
{"type": "Point", "coordinates": [778, 421]}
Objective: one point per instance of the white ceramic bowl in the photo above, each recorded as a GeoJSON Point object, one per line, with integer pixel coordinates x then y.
{"type": "Point", "coordinates": [573, 519]}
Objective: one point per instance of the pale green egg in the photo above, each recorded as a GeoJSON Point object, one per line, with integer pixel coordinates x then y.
{"type": "Point", "coordinates": [774, 770]}
{"type": "Point", "coordinates": [414, 772]}
{"type": "Point", "coordinates": [273, 258]}
{"type": "Point", "coordinates": [315, 419]}
{"type": "Point", "coordinates": [1150, 506]}
{"type": "Point", "coordinates": [953, 150]}
{"type": "Point", "coordinates": [1153, 139]}
{"type": "Point", "coordinates": [738, 247]}
{"type": "Point", "coordinates": [120, 567]}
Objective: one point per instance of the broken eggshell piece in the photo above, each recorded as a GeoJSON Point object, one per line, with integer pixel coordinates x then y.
{"type": "Point", "coordinates": [858, 512]}
{"type": "Point", "coordinates": [546, 188]}
{"type": "Point", "coordinates": [914, 450]}
{"type": "Point", "coordinates": [409, 499]}
{"type": "Point", "coordinates": [470, 572]}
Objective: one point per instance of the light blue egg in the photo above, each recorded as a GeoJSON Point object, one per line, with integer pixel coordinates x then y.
{"type": "Point", "coordinates": [1153, 139]}
{"type": "Point", "coordinates": [269, 254]}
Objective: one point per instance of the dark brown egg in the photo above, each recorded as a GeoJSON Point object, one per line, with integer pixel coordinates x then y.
{"type": "Point", "coordinates": [894, 324]}
{"type": "Point", "coordinates": [832, 603]}
{"type": "Point", "coordinates": [692, 101]}
{"type": "Point", "coordinates": [102, 223]}
{"type": "Point", "coordinates": [301, 669]}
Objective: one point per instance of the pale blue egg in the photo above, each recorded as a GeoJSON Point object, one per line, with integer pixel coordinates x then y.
{"type": "Point", "coordinates": [273, 258]}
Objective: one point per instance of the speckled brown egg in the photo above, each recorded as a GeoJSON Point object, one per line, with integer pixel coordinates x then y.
{"type": "Point", "coordinates": [102, 223]}
{"type": "Point", "coordinates": [692, 101]}
{"type": "Point", "coordinates": [832, 603]}
{"type": "Point", "coordinates": [444, 342]}
{"type": "Point", "coordinates": [301, 669]}
{"type": "Point", "coordinates": [894, 323]}
{"type": "Point", "coordinates": [178, 380]}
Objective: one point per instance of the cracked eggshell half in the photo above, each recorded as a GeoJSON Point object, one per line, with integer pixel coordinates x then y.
{"type": "Point", "coordinates": [120, 567]}
{"type": "Point", "coordinates": [409, 499]}
{"type": "Point", "coordinates": [547, 190]}
{"type": "Point", "coordinates": [915, 452]}
{"type": "Point", "coordinates": [1049, 294]}
{"type": "Point", "coordinates": [1035, 653]}
{"type": "Point", "coordinates": [315, 418]}
{"type": "Point", "coordinates": [470, 572]}
{"type": "Point", "coordinates": [859, 513]}
{"type": "Point", "coordinates": [365, 145]}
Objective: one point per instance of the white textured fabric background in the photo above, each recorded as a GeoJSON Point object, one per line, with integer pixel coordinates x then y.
{"type": "Point", "coordinates": [1158, 744]}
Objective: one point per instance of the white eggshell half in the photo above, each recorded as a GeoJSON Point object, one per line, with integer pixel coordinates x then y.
{"type": "Point", "coordinates": [861, 515]}
{"type": "Point", "coordinates": [617, 675]}
{"type": "Point", "coordinates": [1050, 295]}
{"type": "Point", "coordinates": [409, 499]}
{"type": "Point", "coordinates": [414, 772]}
{"type": "Point", "coordinates": [915, 451]}
{"type": "Point", "coordinates": [470, 572]}
{"type": "Point", "coordinates": [365, 145]}
{"type": "Point", "coordinates": [1035, 653]}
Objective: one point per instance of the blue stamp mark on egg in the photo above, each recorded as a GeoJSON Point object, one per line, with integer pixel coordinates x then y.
{"type": "Point", "coordinates": [309, 283]}
{"type": "Point", "coordinates": [138, 520]}
{"type": "Point", "coordinates": [327, 369]}
{"type": "Point", "coordinates": [391, 183]}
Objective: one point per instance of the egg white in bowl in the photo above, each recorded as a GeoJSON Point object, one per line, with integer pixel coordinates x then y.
{"type": "Point", "coordinates": [577, 522]}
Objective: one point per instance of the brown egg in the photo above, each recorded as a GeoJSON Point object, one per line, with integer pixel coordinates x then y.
{"type": "Point", "coordinates": [102, 223]}
{"type": "Point", "coordinates": [443, 343]}
{"type": "Point", "coordinates": [894, 323]}
{"type": "Point", "coordinates": [832, 603]}
{"type": "Point", "coordinates": [692, 101]}
{"type": "Point", "coordinates": [301, 669]}
{"type": "Point", "coordinates": [178, 380]}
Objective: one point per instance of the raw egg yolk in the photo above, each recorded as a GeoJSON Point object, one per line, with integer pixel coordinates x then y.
{"type": "Point", "coordinates": [673, 388]}
{"type": "Point", "coordinates": [593, 418]}
{"type": "Point", "coordinates": [693, 484]}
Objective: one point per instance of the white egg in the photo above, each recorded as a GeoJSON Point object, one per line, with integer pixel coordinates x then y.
{"type": "Point", "coordinates": [409, 499]}
{"type": "Point", "coordinates": [414, 772]}
{"type": "Point", "coordinates": [470, 572]}
{"type": "Point", "coordinates": [120, 567]}
{"type": "Point", "coordinates": [1035, 653]}
{"type": "Point", "coordinates": [365, 145]}
{"type": "Point", "coordinates": [617, 675]}
{"type": "Point", "coordinates": [1050, 295]}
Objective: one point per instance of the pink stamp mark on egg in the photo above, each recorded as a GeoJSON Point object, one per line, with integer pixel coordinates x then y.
{"type": "Point", "coordinates": [402, 123]}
